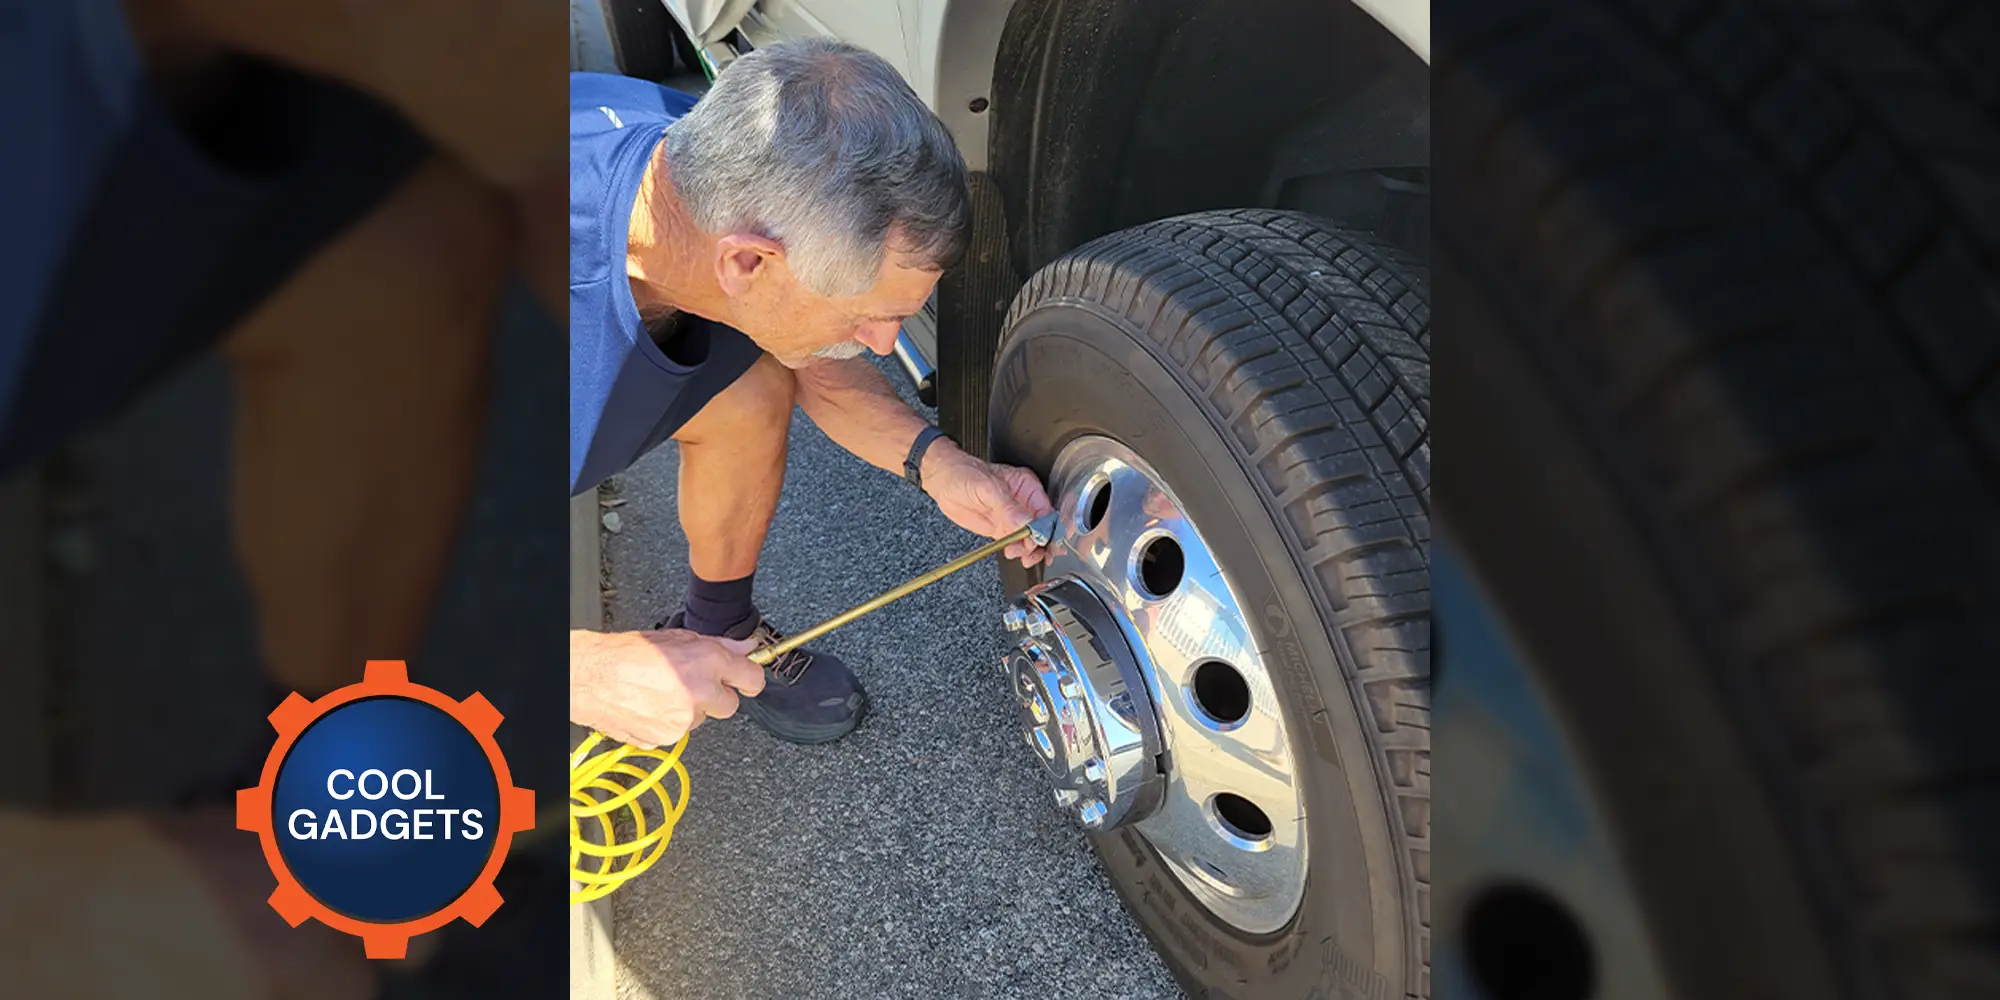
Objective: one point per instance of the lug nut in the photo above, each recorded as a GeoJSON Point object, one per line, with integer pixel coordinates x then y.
{"type": "Point", "coordinates": [1092, 813]}
{"type": "Point", "coordinates": [1066, 797]}
{"type": "Point", "coordinates": [1037, 627]}
{"type": "Point", "coordinates": [1014, 619]}
{"type": "Point", "coordinates": [1094, 770]}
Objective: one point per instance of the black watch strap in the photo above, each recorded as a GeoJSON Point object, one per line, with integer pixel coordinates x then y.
{"type": "Point", "coordinates": [914, 463]}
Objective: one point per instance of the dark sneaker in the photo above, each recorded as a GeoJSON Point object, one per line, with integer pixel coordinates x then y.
{"type": "Point", "coordinates": [808, 697]}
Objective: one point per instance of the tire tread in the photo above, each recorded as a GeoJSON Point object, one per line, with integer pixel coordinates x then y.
{"type": "Point", "coordinates": [1792, 146]}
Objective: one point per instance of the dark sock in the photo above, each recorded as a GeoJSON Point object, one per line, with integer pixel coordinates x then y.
{"type": "Point", "coordinates": [718, 607]}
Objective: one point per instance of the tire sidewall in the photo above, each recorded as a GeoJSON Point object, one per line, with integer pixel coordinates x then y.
{"type": "Point", "coordinates": [1070, 368]}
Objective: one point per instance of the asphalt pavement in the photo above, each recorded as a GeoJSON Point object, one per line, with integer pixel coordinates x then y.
{"type": "Point", "coordinates": [921, 855]}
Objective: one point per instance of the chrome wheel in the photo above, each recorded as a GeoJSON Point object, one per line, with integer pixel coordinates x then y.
{"type": "Point", "coordinates": [1142, 691]}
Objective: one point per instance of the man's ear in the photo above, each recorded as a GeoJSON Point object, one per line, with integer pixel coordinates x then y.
{"type": "Point", "coordinates": [742, 259]}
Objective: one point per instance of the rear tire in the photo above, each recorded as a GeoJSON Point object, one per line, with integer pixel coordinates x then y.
{"type": "Point", "coordinates": [643, 31]}
{"type": "Point", "coordinates": [1274, 371]}
{"type": "Point", "coordinates": [1730, 391]}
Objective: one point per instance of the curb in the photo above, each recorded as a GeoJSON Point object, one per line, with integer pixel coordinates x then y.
{"type": "Point", "coordinates": [592, 960]}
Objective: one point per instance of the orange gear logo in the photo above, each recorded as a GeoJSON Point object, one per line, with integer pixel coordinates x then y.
{"type": "Point", "coordinates": [255, 808]}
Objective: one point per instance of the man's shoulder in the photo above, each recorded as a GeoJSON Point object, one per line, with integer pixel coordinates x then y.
{"type": "Point", "coordinates": [620, 102]}
{"type": "Point", "coordinates": [613, 122]}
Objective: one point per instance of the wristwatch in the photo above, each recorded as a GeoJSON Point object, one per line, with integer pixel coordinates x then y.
{"type": "Point", "coordinates": [913, 464]}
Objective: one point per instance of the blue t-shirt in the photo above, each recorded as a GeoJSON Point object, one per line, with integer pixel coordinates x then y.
{"type": "Point", "coordinates": [133, 234]}
{"type": "Point", "coordinates": [626, 395]}
{"type": "Point", "coordinates": [70, 78]}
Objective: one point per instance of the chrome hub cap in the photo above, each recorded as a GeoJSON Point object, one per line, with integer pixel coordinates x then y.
{"type": "Point", "coordinates": [1142, 691]}
{"type": "Point", "coordinates": [1084, 707]}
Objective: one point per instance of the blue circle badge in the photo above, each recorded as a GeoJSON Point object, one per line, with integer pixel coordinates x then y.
{"type": "Point", "coordinates": [385, 809]}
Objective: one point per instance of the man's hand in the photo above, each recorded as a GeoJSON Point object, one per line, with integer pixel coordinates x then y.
{"type": "Point", "coordinates": [992, 500]}
{"type": "Point", "coordinates": [647, 689]}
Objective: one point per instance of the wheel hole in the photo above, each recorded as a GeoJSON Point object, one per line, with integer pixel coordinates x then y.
{"type": "Point", "coordinates": [1100, 502]}
{"type": "Point", "coordinates": [1523, 944]}
{"type": "Point", "coordinates": [1241, 816]}
{"type": "Point", "coordinates": [1161, 564]}
{"type": "Point", "coordinates": [1221, 692]}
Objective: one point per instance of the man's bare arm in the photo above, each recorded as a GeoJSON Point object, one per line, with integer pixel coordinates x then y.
{"type": "Point", "coordinates": [854, 405]}
{"type": "Point", "coordinates": [857, 408]}
{"type": "Point", "coordinates": [473, 76]}
{"type": "Point", "coordinates": [467, 74]}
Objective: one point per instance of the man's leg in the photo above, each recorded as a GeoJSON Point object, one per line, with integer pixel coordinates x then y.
{"type": "Point", "coordinates": [732, 469]}
{"type": "Point", "coordinates": [359, 408]}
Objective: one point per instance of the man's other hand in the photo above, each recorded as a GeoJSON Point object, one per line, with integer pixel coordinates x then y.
{"type": "Point", "coordinates": [992, 500]}
{"type": "Point", "coordinates": [647, 689]}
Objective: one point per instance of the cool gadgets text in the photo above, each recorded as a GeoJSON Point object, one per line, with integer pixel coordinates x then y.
{"type": "Point", "coordinates": [390, 824]}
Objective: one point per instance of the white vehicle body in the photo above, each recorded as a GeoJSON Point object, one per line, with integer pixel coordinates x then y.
{"type": "Point", "coordinates": [944, 48]}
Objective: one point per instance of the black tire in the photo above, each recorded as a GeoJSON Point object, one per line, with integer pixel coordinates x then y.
{"type": "Point", "coordinates": [643, 32]}
{"type": "Point", "coordinates": [1728, 421]}
{"type": "Point", "coordinates": [684, 48]}
{"type": "Point", "coordinates": [1273, 370]}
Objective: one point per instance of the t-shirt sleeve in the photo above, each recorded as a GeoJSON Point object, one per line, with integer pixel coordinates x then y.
{"type": "Point", "coordinates": [69, 80]}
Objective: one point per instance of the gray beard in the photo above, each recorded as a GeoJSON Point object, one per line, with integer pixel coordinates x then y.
{"type": "Point", "coordinates": [841, 351]}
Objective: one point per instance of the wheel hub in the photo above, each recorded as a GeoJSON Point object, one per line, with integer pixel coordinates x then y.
{"type": "Point", "coordinates": [1144, 693]}
{"type": "Point", "coordinates": [1084, 707]}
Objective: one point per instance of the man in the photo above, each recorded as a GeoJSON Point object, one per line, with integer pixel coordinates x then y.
{"type": "Point", "coordinates": [729, 260]}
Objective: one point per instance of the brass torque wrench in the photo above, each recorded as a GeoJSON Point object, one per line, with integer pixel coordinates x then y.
{"type": "Point", "coordinates": [1040, 529]}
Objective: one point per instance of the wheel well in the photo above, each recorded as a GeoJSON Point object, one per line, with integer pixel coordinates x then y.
{"type": "Point", "coordinates": [1109, 114]}
{"type": "Point", "coordinates": [1106, 114]}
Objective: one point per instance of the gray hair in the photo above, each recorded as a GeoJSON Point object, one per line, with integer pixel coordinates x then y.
{"type": "Point", "coordinates": [822, 147]}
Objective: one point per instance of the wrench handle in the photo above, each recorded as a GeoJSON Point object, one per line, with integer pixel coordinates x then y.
{"type": "Point", "coordinates": [763, 656]}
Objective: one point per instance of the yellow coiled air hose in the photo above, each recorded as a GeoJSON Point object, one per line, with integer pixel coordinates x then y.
{"type": "Point", "coordinates": [620, 783]}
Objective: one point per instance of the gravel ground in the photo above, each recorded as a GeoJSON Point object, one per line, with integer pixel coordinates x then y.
{"type": "Point", "coordinates": [922, 855]}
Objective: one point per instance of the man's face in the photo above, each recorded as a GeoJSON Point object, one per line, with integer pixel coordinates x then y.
{"type": "Point", "coordinates": [799, 326]}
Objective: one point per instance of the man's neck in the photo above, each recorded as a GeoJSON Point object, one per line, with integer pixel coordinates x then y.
{"type": "Point", "coordinates": [667, 257]}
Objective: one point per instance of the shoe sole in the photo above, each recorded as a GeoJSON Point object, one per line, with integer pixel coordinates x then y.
{"type": "Point", "coordinates": [804, 733]}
